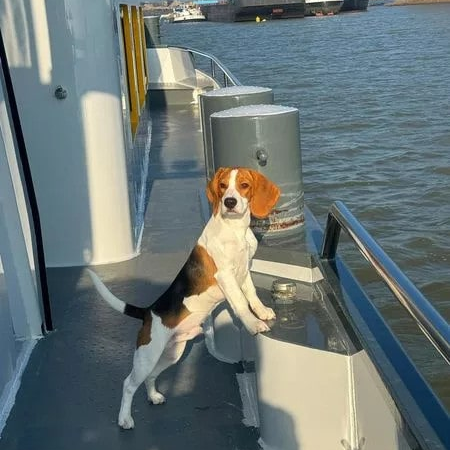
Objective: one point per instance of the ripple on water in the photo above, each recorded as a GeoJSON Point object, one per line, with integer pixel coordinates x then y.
{"type": "Point", "coordinates": [442, 170]}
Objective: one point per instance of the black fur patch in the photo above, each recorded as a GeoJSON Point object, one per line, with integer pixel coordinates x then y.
{"type": "Point", "coordinates": [135, 311]}
{"type": "Point", "coordinates": [183, 286]}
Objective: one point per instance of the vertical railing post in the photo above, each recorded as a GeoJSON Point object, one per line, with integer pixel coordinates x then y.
{"type": "Point", "coordinates": [213, 70]}
{"type": "Point", "coordinates": [331, 238]}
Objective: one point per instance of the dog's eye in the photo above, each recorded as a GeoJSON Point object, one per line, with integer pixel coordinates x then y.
{"type": "Point", "coordinates": [245, 185]}
{"type": "Point", "coordinates": [222, 186]}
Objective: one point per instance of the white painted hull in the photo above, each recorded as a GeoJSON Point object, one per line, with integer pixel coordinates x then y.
{"type": "Point", "coordinates": [186, 15]}
{"type": "Point", "coordinates": [188, 19]}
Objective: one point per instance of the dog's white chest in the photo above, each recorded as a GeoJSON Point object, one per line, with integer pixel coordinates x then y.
{"type": "Point", "coordinates": [229, 247]}
{"type": "Point", "coordinates": [240, 260]}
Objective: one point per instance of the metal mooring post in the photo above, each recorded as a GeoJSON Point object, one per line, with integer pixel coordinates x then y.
{"type": "Point", "coordinates": [265, 138]}
{"type": "Point", "coordinates": [226, 98]}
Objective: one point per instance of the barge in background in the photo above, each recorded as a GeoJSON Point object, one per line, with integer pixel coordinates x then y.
{"type": "Point", "coordinates": [322, 8]}
{"type": "Point", "coordinates": [354, 5]}
{"type": "Point", "coordinates": [249, 10]}
{"type": "Point", "coordinates": [329, 375]}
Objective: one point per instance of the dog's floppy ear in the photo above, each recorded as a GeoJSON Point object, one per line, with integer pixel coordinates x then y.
{"type": "Point", "coordinates": [212, 190]}
{"type": "Point", "coordinates": [265, 195]}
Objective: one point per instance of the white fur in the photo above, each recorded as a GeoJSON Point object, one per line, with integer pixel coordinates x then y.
{"type": "Point", "coordinates": [107, 295]}
{"type": "Point", "coordinates": [232, 192]}
{"type": "Point", "coordinates": [230, 242]}
{"type": "Point", "coordinates": [148, 362]}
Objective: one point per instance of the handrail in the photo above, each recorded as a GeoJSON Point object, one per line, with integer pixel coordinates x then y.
{"type": "Point", "coordinates": [432, 324]}
{"type": "Point", "coordinates": [228, 78]}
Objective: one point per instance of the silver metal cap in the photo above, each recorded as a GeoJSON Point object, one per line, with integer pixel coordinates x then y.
{"type": "Point", "coordinates": [284, 288]}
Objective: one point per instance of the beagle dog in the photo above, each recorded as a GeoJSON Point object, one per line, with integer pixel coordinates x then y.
{"type": "Point", "coordinates": [217, 269]}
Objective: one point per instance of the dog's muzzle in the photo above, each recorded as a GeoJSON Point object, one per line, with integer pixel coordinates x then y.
{"type": "Point", "coordinates": [230, 202]}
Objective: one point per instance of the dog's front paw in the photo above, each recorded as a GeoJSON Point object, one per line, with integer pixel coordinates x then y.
{"type": "Point", "coordinates": [126, 422]}
{"type": "Point", "coordinates": [157, 398]}
{"type": "Point", "coordinates": [264, 313]}
{"type": "Point", "coordinates": [255, 326]}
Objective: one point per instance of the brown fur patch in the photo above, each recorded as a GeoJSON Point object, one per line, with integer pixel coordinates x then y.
{"type": "Point", "coordinates": [172, 319]}
{"type": "Point", "coordinates": [214, 191]}
{"type": "Point", "coordinates": [265, 195]}
{"type": "Point", "coordinates": [244, 183]}
{"type": "Point", "coordinates": [205, 270]}
{"type": "Point", "coordinates": [145, 333]}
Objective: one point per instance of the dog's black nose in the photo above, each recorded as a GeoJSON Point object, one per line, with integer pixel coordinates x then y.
{"type": "Point", "coordinates": [230, 202]}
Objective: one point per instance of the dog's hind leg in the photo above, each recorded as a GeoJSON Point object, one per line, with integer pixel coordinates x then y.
{"type": "Point", "coordinates": [170, 356]}
{"type": "Point", "coordinates": [145, 360]}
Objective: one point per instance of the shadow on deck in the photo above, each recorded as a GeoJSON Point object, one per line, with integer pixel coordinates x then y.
{"type": "Point", "coordinates": [71, 389]}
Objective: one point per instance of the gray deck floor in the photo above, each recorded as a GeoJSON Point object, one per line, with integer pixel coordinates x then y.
{"type": "Point", "coordinates": [71, 389]}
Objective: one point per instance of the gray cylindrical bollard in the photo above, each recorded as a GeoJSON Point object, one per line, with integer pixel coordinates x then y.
{"type": "Point", "coordinates": [152, 31]}
{"type": "Point", "coordinates": [265, 138]}
{"type": "Point", "coordinates": [226, 98]}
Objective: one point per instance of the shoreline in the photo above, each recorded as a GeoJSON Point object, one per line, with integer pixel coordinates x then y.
{"type": "Point", "coordinates": [415, 2]}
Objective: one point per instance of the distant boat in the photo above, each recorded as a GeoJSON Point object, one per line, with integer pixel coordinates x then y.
{"type": "Point", "coordinates": [248, 10]}
{"type": "Point", "coordinates": [182, 14]}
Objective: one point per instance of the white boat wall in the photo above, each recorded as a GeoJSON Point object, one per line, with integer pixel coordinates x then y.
{"type": "Point", "coordinates": [173, 77]}
{"type": "Point", "coordinates": [70, 79]}
{"type": "Point", "coordinates": [20, 313]}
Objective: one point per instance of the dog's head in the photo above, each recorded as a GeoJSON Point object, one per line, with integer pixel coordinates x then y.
{"type": "Point", "coordinates": [233, 190]}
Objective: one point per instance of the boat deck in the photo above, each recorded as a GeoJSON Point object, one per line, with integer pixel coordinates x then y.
{"type": "Point", "coordinates": [71, 389]}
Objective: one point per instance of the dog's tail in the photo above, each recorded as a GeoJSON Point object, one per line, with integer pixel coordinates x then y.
{"type": "Point", "coordinates": [113, 301]}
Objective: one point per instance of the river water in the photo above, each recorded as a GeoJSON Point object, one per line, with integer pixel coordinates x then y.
{"type": "Point", "coordinates": [373, 90]}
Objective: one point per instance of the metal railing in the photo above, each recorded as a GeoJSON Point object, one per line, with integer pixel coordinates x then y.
{"type": "Point", "coordinates": [217, 70]}
{"type": "Point", "coordinates": [432, 324]}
